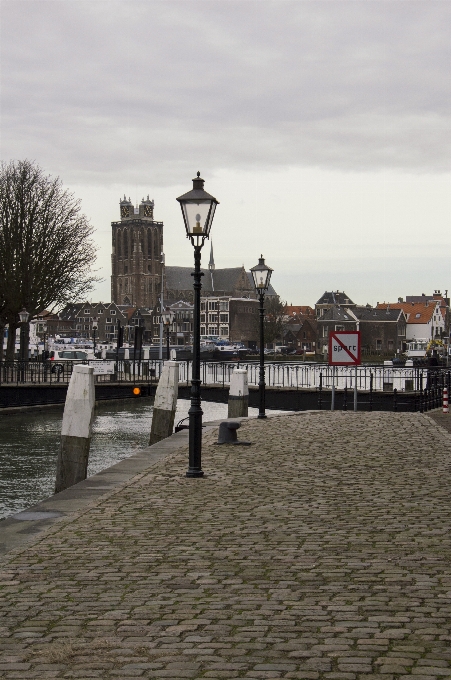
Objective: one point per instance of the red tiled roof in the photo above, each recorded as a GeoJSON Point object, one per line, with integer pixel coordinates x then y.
{"type": "Point", "coordinates": [416, 312]}
{"type": "Point", "coordinates": [304, 310]}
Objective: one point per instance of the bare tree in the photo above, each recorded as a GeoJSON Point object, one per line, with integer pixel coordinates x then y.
{"type": "Point", "coordinates": [274, 323]}
{"type": "Point", "coordinates": [46, 252]}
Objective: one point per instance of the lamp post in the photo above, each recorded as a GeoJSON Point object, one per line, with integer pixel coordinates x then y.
{"type": "Point", "coordinates": [95, 326]}
{"type": "Point", "coordinates": [261, 275]}
{"type": "Point", "coordinates": [168, 319]}
{"type": "Point", "coordinates": [23, 316]}
{"type": "Point", "coordinates": [44, 338]}
{"type": "Point", "coordinates": [198, 209]}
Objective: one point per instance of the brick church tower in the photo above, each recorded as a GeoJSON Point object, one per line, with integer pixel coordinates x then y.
{"type": "Point", "coordinates": [136, 255]}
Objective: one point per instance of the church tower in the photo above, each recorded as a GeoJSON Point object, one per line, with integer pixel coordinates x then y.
{"type": "Point", "coordinates": [136, 255]}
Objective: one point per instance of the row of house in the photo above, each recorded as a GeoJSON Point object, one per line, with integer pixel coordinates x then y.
{"type": "Point", "coordinates": [384, 329]}
{"type": "Point", "coordinates": [230, 318]}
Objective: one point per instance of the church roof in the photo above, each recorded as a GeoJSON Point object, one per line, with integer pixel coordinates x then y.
{"type": "Point", "coordinates": [216, 281]}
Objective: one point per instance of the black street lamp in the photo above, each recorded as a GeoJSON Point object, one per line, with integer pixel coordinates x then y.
{"type": "Point", "coordinates": [261, 274]}
{"type": "Point", "coordinates": [95, 326]}
{"type": "Point", "coordinates": [23, 316]}
{"type": "Point", "coordinates": [168, 319]}
{"type": "Point", "coordinates": [198, 209]}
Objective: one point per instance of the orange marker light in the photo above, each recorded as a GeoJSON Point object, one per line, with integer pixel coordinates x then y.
{"type": "Point", "coordinates": [136, 391]}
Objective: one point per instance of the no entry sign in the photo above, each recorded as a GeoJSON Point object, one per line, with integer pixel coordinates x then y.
{"type": "Point", "coordinates": [344, 348]}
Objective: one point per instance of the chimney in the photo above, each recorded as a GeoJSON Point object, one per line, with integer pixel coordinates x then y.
{"type": "Point", "coordinates": [400, 300]}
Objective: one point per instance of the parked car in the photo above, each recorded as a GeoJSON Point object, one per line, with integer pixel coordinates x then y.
{"type": "Point", "coordinates": [56, 356]}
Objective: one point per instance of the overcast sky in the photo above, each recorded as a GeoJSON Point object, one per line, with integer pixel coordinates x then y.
{"type": "Point", "coordinates": [322, 127]}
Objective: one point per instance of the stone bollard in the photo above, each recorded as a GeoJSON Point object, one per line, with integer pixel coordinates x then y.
{"type": "Point", "coordinates": [165, 403]}
{"type": "Point", "coordinates": [238, 394]}
{"type": "Point", "coordinates": [72, 463]}
{"type": "Point", "coordinates": [227, 433]}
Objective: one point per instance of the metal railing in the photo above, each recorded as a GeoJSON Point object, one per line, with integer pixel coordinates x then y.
{"type": "Point", "coordinates": [375, 378]}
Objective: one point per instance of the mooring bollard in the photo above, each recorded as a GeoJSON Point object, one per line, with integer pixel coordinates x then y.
{"type": "Point", "coordinates": [238, 394]}
{"type": "Point", "coordinates": [227, 433]}
{"type": "Point", "coordinates": [445, 400]}
{"type": "Point", "coordinates": [72, 462]}
{"type": "Point", "coordinates": [165, 403]}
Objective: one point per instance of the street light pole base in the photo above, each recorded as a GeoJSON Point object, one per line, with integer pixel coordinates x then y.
{"type": "Point", "coordinates": [262, 415]}
{"type": "Point", "coordinates": [194, 473]}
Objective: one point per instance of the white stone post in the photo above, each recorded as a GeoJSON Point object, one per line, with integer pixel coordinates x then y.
{"type": "Point", "coordinates": [238, 394]}
{"type": "Point", "coordinates": [165, 403]}
{"type": "Point", "coordinates": [72, 462]}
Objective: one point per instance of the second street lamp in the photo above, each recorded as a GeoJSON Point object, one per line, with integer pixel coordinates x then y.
{"type": "Point", "coordinates": [168, 319]}
{"type": "Point", "coordinates": [261, 275]}
{"type": "Point", "coordinates": [198, 209]}
{"type": "Point", "coordinates": [95, 326]}
{"type": "Point", "coordinates": [23, 316]}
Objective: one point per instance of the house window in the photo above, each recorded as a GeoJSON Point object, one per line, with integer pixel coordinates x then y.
{"type": "Point", "coordinates": [202, 318]}
{"type": "Point", "coordinates": [87, 311]}
{"type": "Point", "coordinates": [390, 345]}
{"type": "Point", "coordinates": [203, 330]}
{"type": "Point", "coordinates": [223, 331]}
{"type": "Point", "coordinates": [224, 306]}
{"type": "Point", "coordinates": [378, 344]}
{"type": "Point", "coordinates": [108, 319]}
{"type": "Point", "coordinates": [325, 332]}
{"type": "Point", "coordinates": [202, 307]}
{"type": "Point", "coordinates": [339, 328]}
{"type": "Point", "coordinates": [212, 305]}
{"type": "Point", "coordinates": [224, 318]}
{"type": "Point", "coordinates": [112, 311]}
{"type": "Point", "coordinates": [304, 335]}
{"type": "Point", "coordinates": [212, 318]}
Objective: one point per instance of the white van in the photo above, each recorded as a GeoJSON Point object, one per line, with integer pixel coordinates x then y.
{"type": "Point", "coordinates": [60, 355]}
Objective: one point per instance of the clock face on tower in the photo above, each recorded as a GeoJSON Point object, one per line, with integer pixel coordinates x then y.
{"type": "Point", "coordinates": [147, 211]}
{"type": "Point", "coordinates": [124, 211]}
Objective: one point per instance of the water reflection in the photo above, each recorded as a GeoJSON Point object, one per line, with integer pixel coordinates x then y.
{"type": "Point", "coordinates": [29, 444]}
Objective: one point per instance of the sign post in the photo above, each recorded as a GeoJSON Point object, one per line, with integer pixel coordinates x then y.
{"type": "Point", "coordinates": [344, 350]}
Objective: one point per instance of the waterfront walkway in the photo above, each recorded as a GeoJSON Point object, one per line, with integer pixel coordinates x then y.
{"type": "Point", "coordinates": [321, 551]}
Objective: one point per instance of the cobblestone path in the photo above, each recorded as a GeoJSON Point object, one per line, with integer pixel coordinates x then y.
{"type": "Point", "coordinates": [321, 551]}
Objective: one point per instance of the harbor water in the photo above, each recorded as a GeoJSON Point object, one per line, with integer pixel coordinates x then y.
{"type": "Point", "coordinates": [29, 443]}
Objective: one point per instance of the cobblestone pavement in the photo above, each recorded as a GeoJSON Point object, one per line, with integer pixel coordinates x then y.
{"type": "Point", "coordinates": [321, 551]}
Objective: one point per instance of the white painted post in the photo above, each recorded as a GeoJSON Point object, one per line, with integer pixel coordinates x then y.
{"type": "Point", "coordinates": [72, 462]}
{"type": "Point", "coordinates": [146, 351]}
{"type": "Point", "coordinates": [165, 403]}
{"type": "Point", "coordinates": [238, 394]}
{"type": "Point", "coordinates": [355, 388]}
{"type": "Point", "coordinates": [332, 401]}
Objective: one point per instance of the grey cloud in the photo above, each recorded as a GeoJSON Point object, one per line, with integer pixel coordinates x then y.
{"type": "Point", "coordinates": [96, 90]}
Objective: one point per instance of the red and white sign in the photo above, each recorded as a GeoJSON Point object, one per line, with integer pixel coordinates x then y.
{"type": "Point", "coordinates": [344, 348]}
